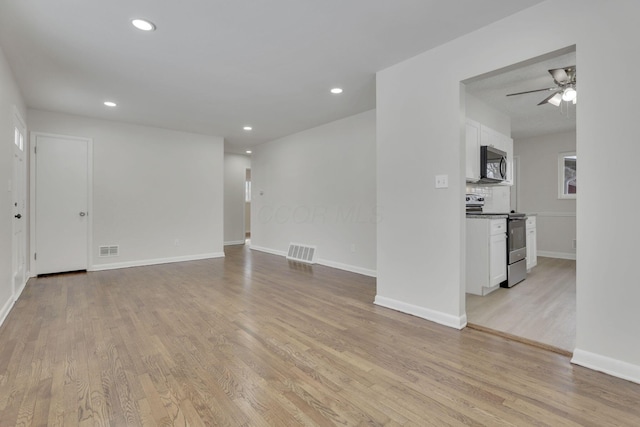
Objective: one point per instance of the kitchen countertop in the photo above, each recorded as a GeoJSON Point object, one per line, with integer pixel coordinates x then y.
{"type": "Point", "coordinates": [487, 216]}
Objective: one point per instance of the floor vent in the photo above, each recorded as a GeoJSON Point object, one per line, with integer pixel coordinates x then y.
{"type": "Point", "coordinates": [109, 251]}
{"type": "Point", "coordinates": [302, 253]}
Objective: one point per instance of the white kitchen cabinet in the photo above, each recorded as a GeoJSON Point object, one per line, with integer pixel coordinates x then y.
{"type": "Point", "coordinates": [532, 243]}
{"type": "Point", "coordinates": [506, 145]}
{"type": "Point", "coordinates": [473, 151]}
{"type": "Point", "coordinates": [486, 252]}
{"type": "Point", "coordinates": [498, 259]}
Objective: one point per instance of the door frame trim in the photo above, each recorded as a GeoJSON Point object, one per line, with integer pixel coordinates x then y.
{"type": "Point", "coordinates": [33, 136]}
{"type": "Point", "coordinates": [19, 122]}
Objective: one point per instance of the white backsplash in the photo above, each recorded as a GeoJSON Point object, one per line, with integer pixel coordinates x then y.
{"type": "Point", "coordinates": [497, 198]}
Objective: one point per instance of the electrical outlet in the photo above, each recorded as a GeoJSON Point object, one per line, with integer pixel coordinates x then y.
{"type": "Point", "coordinates": [442, 181]}
{"type": "Point", "coordinates": [353, 247]}
{"type": "Point", "coordinates": [574, 244]}
{"type": "Point", "coordinates": [176, 242]}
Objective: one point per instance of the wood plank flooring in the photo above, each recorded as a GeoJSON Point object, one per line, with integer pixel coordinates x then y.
{"type": "Point", "coordinates": [252, 340]}
{"type": "Point", "coordinates": [542, 308]}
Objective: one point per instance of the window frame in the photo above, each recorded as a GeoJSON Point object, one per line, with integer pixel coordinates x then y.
{"type": "Point", "coordinates": [562, 194]}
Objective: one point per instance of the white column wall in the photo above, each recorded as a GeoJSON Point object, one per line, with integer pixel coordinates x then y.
{"type": "Point", "coordinates": [420, 122]}
{"type": "Point", "coordinates": [10, 97]}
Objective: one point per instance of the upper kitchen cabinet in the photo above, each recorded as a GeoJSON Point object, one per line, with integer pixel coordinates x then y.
{"type": "Point", "coordinates": [473, 151]}
{"type": "Point", "coordinates": [478, 134]}
{"type": "Point", "coordinates": [506, 145]}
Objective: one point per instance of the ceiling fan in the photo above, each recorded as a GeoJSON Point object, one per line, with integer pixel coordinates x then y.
{"type": "Point", "coordinates": [565, 89]}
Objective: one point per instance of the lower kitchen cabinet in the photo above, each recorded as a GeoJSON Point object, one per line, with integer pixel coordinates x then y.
{"type": "Point", "coordinates": [486, 252]}
{"type": "Point", "coordinates": [532, 243]}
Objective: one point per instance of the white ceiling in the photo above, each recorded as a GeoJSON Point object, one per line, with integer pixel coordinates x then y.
{"type": "Point", "coordinates": [529, 119]}
{"type": "Point", "coordinates": [214, 66]}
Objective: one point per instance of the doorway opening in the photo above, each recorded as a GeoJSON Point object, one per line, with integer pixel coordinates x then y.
{"type": "Point", "coordinates": [19, 207]}
{"type": "Point", "coordinates": [247, 206]}
{"type": "Point", "coordinates": [541, 309]}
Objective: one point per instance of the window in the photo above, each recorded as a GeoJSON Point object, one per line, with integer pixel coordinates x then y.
{"type": "Point", "coordinates": [247, 191]}
{"type": "Point", "coordinates": [247, 186]}
{"type": "Point", "coordinates": [567, 170]}
{"type": "Point", "coordinates": [19, 139]}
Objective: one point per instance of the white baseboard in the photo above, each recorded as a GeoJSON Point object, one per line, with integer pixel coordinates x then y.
{"type": "Point", "coordinates": [146, 262]}
{"type": "Point", "coordinates": [267, 250]}
{"type": "Point", "coordinates": [6, 308]}
{"type": "Point", "coordinates": [614, 367]}
{"type": "Point", "coordinates": [424, 313]}
{"type": "Point", "coordinates": [347, 267]}
{"type": "Point", "coordinates": [560, 255]}
{"type": "Point", "coordinates": [19, 291]}
{"type": "Point", "coordinates": [325, 262]}
{"type": "Point", "coordinates": [234, 242]}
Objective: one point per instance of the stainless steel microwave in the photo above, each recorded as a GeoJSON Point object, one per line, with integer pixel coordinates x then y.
{"type": "Point", "coordinates": [493, 164]}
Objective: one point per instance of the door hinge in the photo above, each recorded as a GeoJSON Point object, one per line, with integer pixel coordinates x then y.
{"type": "Point", "coordinates": [35, 150]}
{"type": "Point", "coordinates": [35, 256]}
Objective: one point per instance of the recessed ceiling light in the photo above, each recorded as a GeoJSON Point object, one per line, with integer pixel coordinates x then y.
{"type": "Point", "coordinates": [336, 90]}
{"type": "Point", "coordinates": [247, 128]}
{"type": "Point", "coordinates": [110, 103]}
{"type": "Point", "coordinates": [143, 24]}
{"type": "Point", "coordinates": [248, 151]}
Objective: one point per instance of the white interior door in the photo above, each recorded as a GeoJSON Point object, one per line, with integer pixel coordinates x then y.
{"type": "Point", "coordinates": [62, 201]}
{"type": "Point", "coordinates": [18, 201]}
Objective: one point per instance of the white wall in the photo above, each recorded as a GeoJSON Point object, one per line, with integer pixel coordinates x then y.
{"type": "Point", "coordinates": [317, 187]}
{"type": "Point", "coordinates": [481, 112]}
{"type": "Point", "coordinates": [9, 97]}
{"type": "Point", "coordinates": [235, 170]}
{"type": "Point", "coordinates": [556, 222]}
{"type": "Point", "coordinates": [497, 197]}
{"type": "Point", "coordinates": [151, 187]}
{"type": "Point", "coordinates": [420, 134]}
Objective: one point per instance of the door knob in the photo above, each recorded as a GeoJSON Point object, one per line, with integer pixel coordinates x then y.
{"type": "Point", "coordinates": [18, 216]}
{"type": "Point", "coordinates": [82, 213]}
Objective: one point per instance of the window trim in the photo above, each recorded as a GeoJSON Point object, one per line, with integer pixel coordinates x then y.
{"type": "Point", "coordinates": [561, 184]}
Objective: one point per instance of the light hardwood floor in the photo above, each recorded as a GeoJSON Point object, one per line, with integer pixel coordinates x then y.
{"type": "Point", "coordinates": [253, 340]}
{"type": "Point", "coordinates": [542, 308]}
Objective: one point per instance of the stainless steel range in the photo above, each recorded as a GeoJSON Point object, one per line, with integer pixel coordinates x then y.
{"type": "Point", "coordinates": [517, 249]}
{"type": "Point", "coordinates": [474, 203]}
{"type": "Point", "coordinates": [516, 255]}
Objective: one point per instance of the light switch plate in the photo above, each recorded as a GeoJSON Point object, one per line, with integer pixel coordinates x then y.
{"type": "Point", "coordinates": [442, 181]}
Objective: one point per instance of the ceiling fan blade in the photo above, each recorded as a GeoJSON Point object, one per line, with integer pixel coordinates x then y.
{"type": "Point", "coordinates": [532, 91]}
{"type": "Point", "coordinates": [563, 75]}
{"type": "Point", "coordinates": [548, 98]}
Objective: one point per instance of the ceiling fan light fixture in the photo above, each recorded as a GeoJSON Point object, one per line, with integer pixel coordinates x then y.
{"type": "Point", "coordinates": [569, 94]}
{"type": "Point", "coordinates": [556, 99]}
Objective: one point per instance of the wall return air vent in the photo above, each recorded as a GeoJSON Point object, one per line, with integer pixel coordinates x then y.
{"type": "Point", "coordinates": [302, 253]}
{"type": "Point", "coordinates": [109, 250]}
